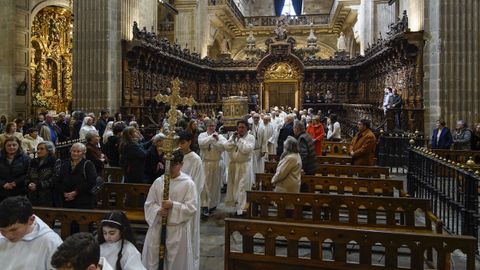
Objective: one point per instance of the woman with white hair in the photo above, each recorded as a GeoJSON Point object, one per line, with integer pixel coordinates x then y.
{"type": "Point", "coordinates": [87, 126]}
{"type": "Point", "coordinates": [76, 179]}
{"type": "Point", "coordinates": [287, 178]}
{"type": "Point", "coordinates": [155, 160]}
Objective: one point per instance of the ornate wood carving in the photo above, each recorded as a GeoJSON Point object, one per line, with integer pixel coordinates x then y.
{"type": "Point", "coordinates": [149, 63]}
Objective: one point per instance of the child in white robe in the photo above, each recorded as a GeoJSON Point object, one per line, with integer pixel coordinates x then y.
{"type": "Point", "coordinates": [116, 242]}
{"type": "Point", "coordinates": [180, 210]}
{"type": "Point", "coordinates": [26, 242]}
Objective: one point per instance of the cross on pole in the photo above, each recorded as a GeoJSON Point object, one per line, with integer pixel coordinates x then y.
{"type": "Point", "coordinates": [168, 147]}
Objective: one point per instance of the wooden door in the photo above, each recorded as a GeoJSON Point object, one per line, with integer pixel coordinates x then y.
{"type": "Point", "coordinates": [281, 94]}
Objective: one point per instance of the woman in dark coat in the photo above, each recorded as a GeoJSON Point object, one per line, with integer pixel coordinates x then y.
{"type": "Point", "coordinates": [14, 165]}
{"type": "Point", "coordinates": [94, 153]}
{"type": "Point", "coordinates": [155, 161]}
{"type": "Point", "coordinates": [132, 156]}
{"type": "Point", "coordinates": [41, 175]}
{"type": "Point", "coordinates": [76, 179]}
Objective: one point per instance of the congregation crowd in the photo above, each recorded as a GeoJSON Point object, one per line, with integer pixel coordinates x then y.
{"type": "Point", "coordinates": [210, 160]}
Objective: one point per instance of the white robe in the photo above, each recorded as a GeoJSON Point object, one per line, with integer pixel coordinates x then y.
{"type": "Point", "coordinates": [105, 265]}
{"type": "Point", "coordinates": [179, 254]}
{"type": "Point", "coordinates": [33, 252]}
{"type": "Point", "coordinates": [258, 132]}
{"type": "Point", "coordinates": [192, 166]}
{"type": "Point", "coordinates": [270, 139]}
{"type": "Point", "coordinates": [240, 171]}
{"type": "Point", "coordinates": [212, 151]}
{"type": "Point", "coordinates": [84, 130]}
{"type": "Point", "coordinates": [131, 258]}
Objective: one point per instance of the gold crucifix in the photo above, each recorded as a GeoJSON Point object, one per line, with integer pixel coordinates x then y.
{"type": "Point", "coordinates": [174, 100]}
{"type": "Point", "coordinates": [168, 146]}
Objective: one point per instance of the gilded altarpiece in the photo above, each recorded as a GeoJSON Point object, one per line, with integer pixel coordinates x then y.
{"type": "Point", "coordinates": [51, 59]}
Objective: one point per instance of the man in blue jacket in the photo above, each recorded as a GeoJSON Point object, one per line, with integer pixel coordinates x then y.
{"type": "Point", "coordinates": [441, 137]}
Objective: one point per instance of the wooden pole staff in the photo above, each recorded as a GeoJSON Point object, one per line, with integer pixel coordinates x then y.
{"type": "Point", "coordinates": [169, 145]}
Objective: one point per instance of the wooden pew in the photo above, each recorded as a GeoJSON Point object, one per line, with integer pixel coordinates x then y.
{"type": "Point", "coordinates": [339, 185]}
{"type": "Point", "coordinates": [86, 219]}
{"type": "Point", "coordinates": [337, 148]}
{"type": "Point", "coordinates": [342, 170]}
{"type": "Point", "coordinates": [305, 243]}
{"type": "Point", "coordinates": [321, 159]}
{"type": "Point", "coordinates": [113, 174]}
{"type": "Point", "coordinates": [126, 197]}
{"type": "Point", "coordinates": [361, 211]}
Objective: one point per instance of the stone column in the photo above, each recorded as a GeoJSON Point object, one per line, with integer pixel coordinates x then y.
{"type": "Point", "coordinates": [191, 25]}
{"type": "Point", "coordinates": [97, 55]}
{"type": "Point", "coordinates": [129, 14]}
{"type": "Point", "coordinates": [451, 62]}
{"type": "Point", "coordinates": [7, 57]}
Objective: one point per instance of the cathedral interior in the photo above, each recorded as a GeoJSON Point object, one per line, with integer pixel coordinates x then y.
{"type": "Point", "coordinates": [64, 55]}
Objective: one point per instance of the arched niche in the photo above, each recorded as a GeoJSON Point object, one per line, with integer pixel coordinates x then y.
{"type": "Point", "coordinates": [280, 74]}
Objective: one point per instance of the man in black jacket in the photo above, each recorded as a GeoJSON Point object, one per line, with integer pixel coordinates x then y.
{"type": "Point", "coordinates": [285, 131]}
{"type": "Point", "coordinates": [306, 148]}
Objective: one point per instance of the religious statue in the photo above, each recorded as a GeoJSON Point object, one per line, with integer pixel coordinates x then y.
{"type": "Point", "coordinates": [224, 46]}
{"type": "Point", "coordinates": [280, 31]}
{"type": "Point", "coordinates": [341, 44]}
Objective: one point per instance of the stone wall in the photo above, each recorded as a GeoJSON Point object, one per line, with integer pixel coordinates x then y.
{"type": "Point", "coordinates": [7, 58]}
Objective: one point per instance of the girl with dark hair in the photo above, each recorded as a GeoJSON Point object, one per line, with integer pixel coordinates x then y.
{"type": "Point", "coordinates": [116, 242]}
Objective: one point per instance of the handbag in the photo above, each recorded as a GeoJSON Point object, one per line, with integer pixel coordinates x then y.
{"type": "Point", "coordinates": [98, 181]}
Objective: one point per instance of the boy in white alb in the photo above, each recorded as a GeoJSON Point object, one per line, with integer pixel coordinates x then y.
{"type": "Point", "coordinates": [26, 242]}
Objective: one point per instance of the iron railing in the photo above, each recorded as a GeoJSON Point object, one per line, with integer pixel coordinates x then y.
{"type": "Point", "coordinates": [392, 150]}
{"type": "Point", "coordinates": [452, 190]}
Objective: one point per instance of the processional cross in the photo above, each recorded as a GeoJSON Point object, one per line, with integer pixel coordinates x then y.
{"type": "Point", "coordinates": [169, 145]}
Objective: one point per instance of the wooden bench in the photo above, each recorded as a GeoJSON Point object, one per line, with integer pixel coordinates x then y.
{"type": "Point", "coordinates": [259, 244]}
{"type": "Point", "coordinates": [339, 185]}
{"type": "Point", "coordinates": [363, 211]}
{"type": "Point", "coordinates": [87, 220]}
{"type": "Point", "coordinates": [341, 170]}
{"type": "Point", "coordinates": [126, 197]}
{"type": "Point", "coordinates": [113, 174]}
{"type": "Point", "coordinates": [321, 159]}
{"type": "Point", "coordinates": [331, 147]}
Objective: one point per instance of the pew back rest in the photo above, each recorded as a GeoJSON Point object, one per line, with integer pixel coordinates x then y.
{"type": "Point", "coordinates": [124, 196]}
{"type": "Point", "coordinates": [113, 174]}
{"type": "Point", "coordinates": [370, 211]}
{"type": "Point", "coordinates": [342, 170]}
{"type": "Point", "coordinates": [331, 147]}
{"type": "Point", "coordinates": [63, 218]}
{"type": "Point", "coordinates": [339, 185]}
{"type": "Point", "coordinates": [252, 244]}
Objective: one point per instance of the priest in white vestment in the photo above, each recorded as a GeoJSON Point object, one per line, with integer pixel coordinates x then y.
{"type": "Point", "coordinates": [180, 210]}
{"type": "Point", "coordinates": [192, 166]}
{"type": "Point", "coordinates": [260, 149]}
{"type": "Point", "coordinates": [269, 136]}
{"type": "Point", "coordinates": [211, 147]}
{"type": "Point", "coordinates": [240, 148]}
{"type": "Point", "coordinates": [25, 244]}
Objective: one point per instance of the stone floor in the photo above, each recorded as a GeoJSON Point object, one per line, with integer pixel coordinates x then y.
{"type": "Point", "coordinates": [212, 244]}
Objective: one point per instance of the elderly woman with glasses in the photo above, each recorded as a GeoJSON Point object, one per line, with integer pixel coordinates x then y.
{"type": "Point", "coordinates": [76, 179]}
{"type": "Point", "coordinates": [287, 178]}
{"type": "Point", "coordinates": [41, 175]}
